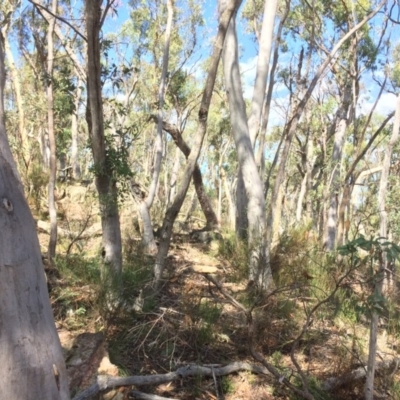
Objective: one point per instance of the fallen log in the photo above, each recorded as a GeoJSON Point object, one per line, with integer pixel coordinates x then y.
{"type": "Point", "coordinates": [359, 373]}
{"type": "Point", "coordinates": [108, 382]}
{"type": "Point", "coordinates": [94, 230]}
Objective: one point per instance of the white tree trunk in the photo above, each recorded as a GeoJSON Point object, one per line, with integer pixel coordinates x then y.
{"type": "Point", "coordinates": [265, 45]}
{"type": "Point", "coordinates": [173, 211]}
{"type": "Point", "coordinates": [31, 357]}
{"type": "Point", "coordinates": [369, 385]}
{"type": "Point", "coordinates": [259, 269]}
{"type": "Point", "coordinates": [76, 168]}
{"type": "Point", "coordinates": [52, 137]}
{"type": "Point", "coordinates": [144, 209]}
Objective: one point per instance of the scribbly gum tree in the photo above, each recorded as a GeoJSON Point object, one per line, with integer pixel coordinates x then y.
{"type": "Point", "coordinates": [31, 355]}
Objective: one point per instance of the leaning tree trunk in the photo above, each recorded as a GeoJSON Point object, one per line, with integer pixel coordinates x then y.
{"type": "Point", "coordinates": [204, 200]}
{"type": "Point", "coordinates": [105, 182]}
{"type": "Point", "coordinates": [173, 211]}
{"type": "Point", "coordinates": [144, 207]}
{"type": "Point", "coordinates": [259, 269]}
{"type": "Point", "coordinates": [31, 357]}
{"type": "Point", "coordinates": [51, 252]}
{"type": "Point", "coordinates": [379, 283]}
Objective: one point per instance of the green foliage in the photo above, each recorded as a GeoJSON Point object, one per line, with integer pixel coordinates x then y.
{"type": "Point", "coordinates": [236, 252]}
{"type": "Point", "coordinates": [227, 385]}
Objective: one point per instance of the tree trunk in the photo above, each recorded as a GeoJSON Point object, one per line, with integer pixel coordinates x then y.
{"type": "Point", "coordinates": [173, 211]}
{"type": "Point", "coordinates": [204, 200]}
{"type": "Point", "coordinates": [31, 356]}
{"type": "Point", "coordinates": [259, 270]}
{"type": "Point", "coordinates": [25, 151]}
{"type": "Point", "coordinates": [105, 182]}
{"type": "Point", "coordinates": [341, 126]}
{"type": "Point", "coordinates": [144, 208]}
{"type": "Point", "coordinates": [76, 168]}
{"type": "Point", "coordinates": [51, 252]}
{"type": "Point", "coordinates": [380, 278]}
{"type": "Point", "coordinates": [174, 177]}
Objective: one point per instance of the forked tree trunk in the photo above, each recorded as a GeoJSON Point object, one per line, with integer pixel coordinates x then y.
{"type": "Point", "coordinates": [51, 252]}
{"type": "Point", "coordinates": [31, 357]}
{"type": "Point", "coordinates": [144, 207]}
{"type": "Point", "coordinates": [105, 182]}
{"type": "Point", "coordinates": [174, 209]}
{"type": "Point", "coordinates": [259, 269]}
{"type": "Point", "coordinates": [204, 200]}
{"type": "Point", "coordinates": [380, 278]}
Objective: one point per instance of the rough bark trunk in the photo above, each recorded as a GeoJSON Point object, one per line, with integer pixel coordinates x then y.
{"type": "Point", "coordinates": [259, 269]}
{"type": "Point", "coordinates": [144, 208]}
{"type": "Point", "coordinates": [105, 183]}
{"type": "Point", "coordinates": [31, 356]}
{"type": "Point", "coordinates": [51, 252]}
{"type": "Point", "coordinates": [173, 211]}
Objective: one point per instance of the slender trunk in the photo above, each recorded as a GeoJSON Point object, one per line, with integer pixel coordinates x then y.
{"type": "Point", "coordinates": [259, 269]}
{"type": "Point", "coordinates": [25, 151]}
{"type": "Point", "coordinates": [76, 168]}
{"type": "Point", "coordinates": [105, 182]}
{"type": "Point", "coordinates": [260, 84]}
{"type": "Point", "coordinates": [174, 177]}
{"type": "Point", "coordinates": [231, 205]}
{"type": "Point", "coordinates": [380, 278]}
{"type": "Point", "coordinates": [173, 211]}
{"type": "Point", "coordinates": [31, 356]}
{"type": "Point", "coordinates": [332, 216]}
{"type": "Point", "coordinates": [292, 126]}
{"type": "Point", "coordinates": [204, 200]}
{"type": "Point", "coordinates": [52, 137]}
{"type": "Point", "coordinates": [303, 189]}
{"type": "Point", "coordinates": [144, 208]}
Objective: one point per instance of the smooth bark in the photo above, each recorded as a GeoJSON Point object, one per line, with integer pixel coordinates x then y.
{"type": "Point", "coordinates": [204, 200]}
{"type": "Point", "coordinates": [76, 168]}
{"type": "Point", "coordinates": [51, 252]}
{"type": "Point", "coordinates": [295, 118]}
{"type": "Point", "coordinates": [144, 207]}
{"type": "Point", "coordinates": [383, 232]}
{"type": "Point", "coordinates": [174, 209]}
{"type": "Point", "coordinates": [259, 269]}
{"type": "Point", "coordinates": [31, 356]}
{"type": "Point", "coordinates": [335, 182]}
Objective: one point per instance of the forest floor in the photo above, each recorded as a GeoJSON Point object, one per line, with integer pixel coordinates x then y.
{"type": "Point", "coordinates": [190, 322]}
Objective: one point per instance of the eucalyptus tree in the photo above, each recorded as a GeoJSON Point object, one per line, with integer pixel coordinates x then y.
{"type": "Point", "coordinates": [259, 269]}
{"type": "Point", "coordinates": [225, 16]}
{"type": "Point", "coordinates": [7, 10]}
{"type": "Point", "coordinates": [31, 355]}
{"type": "Point", "coordinates": [105, 179]}
{"type": "Point", "coordinates": [299, 108]}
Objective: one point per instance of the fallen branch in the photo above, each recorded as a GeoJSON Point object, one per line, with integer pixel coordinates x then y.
{"type": "Point", "coordinates": [146, 396]}
{"type": "Point", "coordinates": [361, 372]}
{"type": "Point", "coordinates": [108, 382]}
{"type": "Point", "coordinates": [94, 230]}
